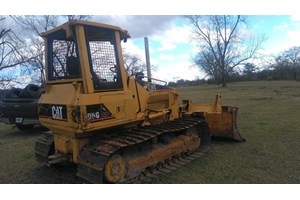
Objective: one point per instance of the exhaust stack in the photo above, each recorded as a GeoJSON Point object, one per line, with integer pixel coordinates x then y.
{"type": "Point", "coordinates": [147, 59]}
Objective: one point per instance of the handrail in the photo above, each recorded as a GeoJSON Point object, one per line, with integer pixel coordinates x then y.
{"type": "Point", "coordinates": [142, 76]}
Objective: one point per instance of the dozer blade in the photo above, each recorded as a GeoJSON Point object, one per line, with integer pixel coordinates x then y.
{"type": "Point", "coordinates": [224, 124]}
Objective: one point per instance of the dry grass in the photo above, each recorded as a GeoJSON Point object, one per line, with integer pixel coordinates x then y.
{"type": "Point", "coordinates": [268, 118]}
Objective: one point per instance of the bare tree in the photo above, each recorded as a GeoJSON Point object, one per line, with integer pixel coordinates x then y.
{"type": "Point", "coordinates": [11, 54]}
{"type": "Point", "coordinates": [133, 63]}
{"type": "Point", "coordinates": [32, 27]}
{"type": "Point", "coordinates": [286, 65]}
{"type": "Point", "coordinates": [11, 47]}
{"type": "Point", "coordinates": [292, 57]}
{"type": "Point", "coordinates": [224, 44]}
{"type": "Point", "coordinates": [80, 17]}
{"type": "Point", "coordinates": [22, 46]}
{"type": "Point", "coordinates": [207, 63]}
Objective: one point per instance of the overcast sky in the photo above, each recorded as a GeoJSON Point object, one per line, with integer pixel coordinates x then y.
{"type": "Point", "coordinates": [172, 48]}
{"type": "Point", "coordinates": [169, 34]}
{"type": "Point", "coordinates": [140, 25]}
{"type": "Point", "coordinates": [170, 43]}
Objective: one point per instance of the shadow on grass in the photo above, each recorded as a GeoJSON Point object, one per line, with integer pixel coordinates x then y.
{"type": "Point", "coordinates": [14, 132]}
{"type": "Point", "coordinates": [56, 174]}
{"type": "Point", "coordinates": [220, 140]}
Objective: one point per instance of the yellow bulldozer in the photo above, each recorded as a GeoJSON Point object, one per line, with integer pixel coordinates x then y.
{"type": "Point", "coordinates": [117, 128]}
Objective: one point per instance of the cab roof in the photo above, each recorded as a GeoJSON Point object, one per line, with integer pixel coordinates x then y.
{"type": "Point", "coordinates": [124, 33]}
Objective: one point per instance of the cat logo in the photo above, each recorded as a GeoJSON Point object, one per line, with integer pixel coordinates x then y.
{"type": "Point", "coordinates": [53, 111]}
{"type": "Point", "coordinates": [57, 112]}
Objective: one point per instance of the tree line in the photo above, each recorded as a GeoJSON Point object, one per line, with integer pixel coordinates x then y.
{"type": "Point", "coordinates": [284, 66]}
{"type": "Point", "coordinates": [227, 51]}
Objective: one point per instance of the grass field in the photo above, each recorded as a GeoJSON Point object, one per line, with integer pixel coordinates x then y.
{"type": "Point", "coordinates": [269, 119]}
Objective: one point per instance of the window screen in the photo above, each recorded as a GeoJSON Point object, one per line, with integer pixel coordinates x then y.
{"type": "Point", "coordinates": [63, 58]}
{"type": "Point", "coordinates": [105, 69]}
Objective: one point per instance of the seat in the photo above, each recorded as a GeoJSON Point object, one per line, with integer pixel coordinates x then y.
{"type": "Point", "coordinates": [72, 66]}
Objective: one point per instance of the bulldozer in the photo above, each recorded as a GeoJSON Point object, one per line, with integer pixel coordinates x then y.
{"type": "Point", "coordinates": [116, 127]}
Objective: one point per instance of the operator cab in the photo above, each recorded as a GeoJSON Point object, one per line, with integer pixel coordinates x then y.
{"type": "Point", "coordinates": [79, 48]}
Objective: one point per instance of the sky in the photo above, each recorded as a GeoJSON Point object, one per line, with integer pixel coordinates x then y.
{"type": "Point", "coordinates": [172, 47]}
{"type": "Point", "coordinates": [169, 33]}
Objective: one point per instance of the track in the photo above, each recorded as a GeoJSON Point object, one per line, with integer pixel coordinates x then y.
{"type": "Point", "coordinates": [104, 152]}
{"type": "Point", "coordinates": [44, 147]}
{"type": "Point", "coordinates": [166, 167]}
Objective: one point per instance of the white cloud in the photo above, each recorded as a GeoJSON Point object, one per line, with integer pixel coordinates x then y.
{"type": "Point", "coordinates": [294, 37]}
{"type": "Point", "coordinates": [295, 17]}
{"type": "Point", "coordinates": [175, 71]}
{"type": "Point", "coordinates": [166, 57]}
{"type": "Point", "coordinates": [166, 46]}
{"type": "Point", "coordinates": [281, 27]}
{"type": "Point", "coordinates": [173, 36]}
{"type": "Point", "coordinates": [164, 52]}
{"type": "Point", "coordinates": [139, 25]}
{"type": "Point", "coordinates": [131, 48]}
{"type": "Point", "coordinates": [185, 56]}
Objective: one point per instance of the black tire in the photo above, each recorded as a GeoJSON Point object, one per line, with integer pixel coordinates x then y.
{"type": "Point", "coordinates": [31, 91]}
{"type": "Point", "coordinates": [40, 92]}
{"type": "Point", "coordinates": [24, 127]}
{"type": "Point", "coordinates": [13, 93]}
